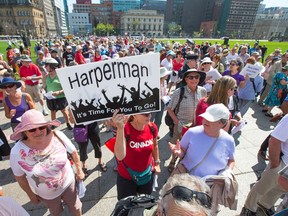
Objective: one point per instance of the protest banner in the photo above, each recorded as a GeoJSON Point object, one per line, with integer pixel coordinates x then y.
{"type": "Point", "coordinates": [252, 70]}
{"type": "Point", "coordinates": [95, 90]}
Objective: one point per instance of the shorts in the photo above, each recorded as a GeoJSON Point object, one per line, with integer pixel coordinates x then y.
{"type": "Point", "coordinates": [69, 197]}
{"type": "Point", "coordinates": [57, 104]}
{"type": "Point", "coordinates": [35, 92]}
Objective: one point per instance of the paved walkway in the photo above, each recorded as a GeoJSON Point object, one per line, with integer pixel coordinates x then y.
{"type": "Point", "coordinates": [100, 197]}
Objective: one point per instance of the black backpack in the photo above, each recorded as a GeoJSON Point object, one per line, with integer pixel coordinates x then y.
{"type": "Point", "coordinates": [134, 205]}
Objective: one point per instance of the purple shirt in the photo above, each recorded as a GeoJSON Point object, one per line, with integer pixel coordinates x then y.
{"type": "Point", "coordinates": [238, 77]}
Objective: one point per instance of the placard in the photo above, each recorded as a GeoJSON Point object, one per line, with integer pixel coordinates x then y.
{"type": "Point", "coordinates": [252, 70]}
{"type": "Point", "coordinates": [95, 90]}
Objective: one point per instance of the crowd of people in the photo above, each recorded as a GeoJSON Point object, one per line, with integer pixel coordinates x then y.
{"type": "Point", "coordinates": [208, 96]}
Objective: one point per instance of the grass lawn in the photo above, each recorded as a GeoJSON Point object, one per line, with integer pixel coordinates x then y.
{"type": "Point", "coordinates": [270, 45]}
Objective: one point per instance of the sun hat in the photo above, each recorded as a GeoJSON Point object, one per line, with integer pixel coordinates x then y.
{"type": "Point", "coordinates": [216, 112]}
{"type": "Point", "coordinates": [170, 52]}
{"type": "Point", "coordinates": [225, 52]}
{"type": "Point", "coordinates": [206, 60]}
{"type": "Point", "coordinates": [201, 73]}
{"type": "Point", "coordinates": [164, 72]}
{"type": "Point", "coordinates": [68, 47]}
{"type": "Point", "coordinates": [51, 62]}
{"type": "Point", "coordinates": [2, 70]}
{"type": "Point", "coordinates": [16, 51]}
{"type": "Point", "coordinates": [78, 47]}
{"type": "Point", "coordinates": [285, 67]}
{"type": "Point", "coordinates": [189, 41]}
{"type": "Point", "coordinates": [10, 80]}
{"type": "Point", "coordinates": [29, 120]}
{"type": "Point", "coordinates": [192, 56]}
{"type": "Point", "coordinates": [25, 58]}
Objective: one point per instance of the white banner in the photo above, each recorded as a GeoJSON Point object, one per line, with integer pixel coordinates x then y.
{"type": "Point", "coordinates": [252, 70]}
{"type": "Point", "coordinates": [95, 90]}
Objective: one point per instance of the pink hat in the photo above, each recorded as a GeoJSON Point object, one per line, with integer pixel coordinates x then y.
{"type": "Point", "coordinates": [29, 120]}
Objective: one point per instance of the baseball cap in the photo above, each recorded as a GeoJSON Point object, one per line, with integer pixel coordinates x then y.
{"type": "Point", "coordinates": [216, 112]}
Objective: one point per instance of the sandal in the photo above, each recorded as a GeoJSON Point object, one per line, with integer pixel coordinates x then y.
{"type": "Point", "coordinates": [171, 165]}
{"type": "Point", "coordinates": [269, 114]}
{"type": "Point", "coordinates": [103, 167]}
{"type": "Point", "coordinates": [85, 171]}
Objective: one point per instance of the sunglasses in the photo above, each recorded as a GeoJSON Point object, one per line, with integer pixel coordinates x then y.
{"type": "Point", "coordinates": [234, 88]}
{"type": "Point", "coordinates": [8, 86]}
{"type": "Point", "coordinates": [146, 114]}
{"type": "Point", "coordinates": [183, 193]}
{"type": "Point", "coordinates": [34, 129]}
{"type": "Point", "coordinates": [206, 63]}
{"type": "Point", "coordinates": [193, 77]}
{"type": "Point", "coordinates": [233, 64]}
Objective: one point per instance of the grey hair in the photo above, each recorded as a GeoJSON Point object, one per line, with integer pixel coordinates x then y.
{"type": "Point", "coordinates": [190, 182]}
{"type": "Point", "coordinates": [223, 121]}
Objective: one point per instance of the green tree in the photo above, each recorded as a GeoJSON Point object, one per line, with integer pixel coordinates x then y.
{"type": "Point", "coordinates": [174, 29]}
{"type": "Point", "coordinates": [135, 23]}
{"type": "Point", "coordinates": [100, 29]}
{"type": "Point", "coordinates": [109, 29]}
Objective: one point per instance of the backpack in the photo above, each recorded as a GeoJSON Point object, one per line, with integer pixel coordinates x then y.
{"type": "Point", "coordinates": [134, 205]}
{"type": "Point", "coordinates": [168, 120]}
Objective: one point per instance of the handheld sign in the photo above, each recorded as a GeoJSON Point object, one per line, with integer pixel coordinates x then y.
{"type": "Point", "coordinates": [95, 90]}
{"type": "Point", "coordinates": [252, 70]}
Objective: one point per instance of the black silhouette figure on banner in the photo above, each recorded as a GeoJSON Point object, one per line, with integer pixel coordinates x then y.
{"type": "Point", "coordinates": [116, 101]}
{"type": "Point", "coordinates": [148, 100]}
{"type": "Point", "coordinates": [135, 94]}
{"type": "Point", "coordinates": [101, 106]}
{"type": "Point", "coordinates": [146, 95]}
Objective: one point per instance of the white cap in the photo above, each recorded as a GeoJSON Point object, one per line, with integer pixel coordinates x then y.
{"type": "Point", "coordinates": [216, 112]}
{"type": "Point", "coordinates": [78, 47]}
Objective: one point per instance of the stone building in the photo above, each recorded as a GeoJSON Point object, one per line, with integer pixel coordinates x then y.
{"type": "Point", "coordinates": [24, 16]}
{"type": "Point", "coordinates": [146, 22]}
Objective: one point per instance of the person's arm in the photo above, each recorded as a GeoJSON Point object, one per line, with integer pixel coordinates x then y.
{"type": "Point", "coordinates": [156, 157]}
{"type": "Point", "coordinates": [283, 182]}
{"type": "Point", "coordinates": [120, 144]}
{"type": "Point", "coordinates": [243, 82]}
{"type": "Point", "coordinates": [8, 113]}
{"type": "Point", "coordinates": [22, 181]}
{"type": "Point", "coordinates": [79, 172]}
{"type": "Point", "coordinates": [231, 163]}
{"type": "Point", "coordinates": [30, 101]}
{"type": "Point", "coordinates": [274, 152]}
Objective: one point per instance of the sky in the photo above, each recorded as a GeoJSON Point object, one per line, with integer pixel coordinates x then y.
{"type": "Point", "coordinates": [275, 3]}
{"type": "Point", "coordinates": [269, 3]}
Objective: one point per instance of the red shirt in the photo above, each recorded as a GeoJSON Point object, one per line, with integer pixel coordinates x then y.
{"type": "Point", "coordinates": [200, 109]}
{"type": "Point", "coordinates": [139, 149]}
{"type": "Point", "coordinates": [96, 59]}
{"type": "Point", "coordinates": [79, 58]}
{"type": "Point", "coordinates": [32, 70]}
{"type": "Point", "coordinates": [178, 65]}
{"type": "Point", "coordinates": [10, 56]}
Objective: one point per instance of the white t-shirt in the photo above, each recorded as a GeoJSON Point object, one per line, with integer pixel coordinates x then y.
{"type": "Point", "coordinates": [9, 207]}
{"type": "Point", "coordinates": [48, 171]}
{"type": "Point", "coordinates": [280, 133]}
{"type": "Point", "coordinates": [230, 57]}
{"type": "Point", "coordinates": [168, 65]}
{"type": "Point", "coordinates": [197, 143]}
